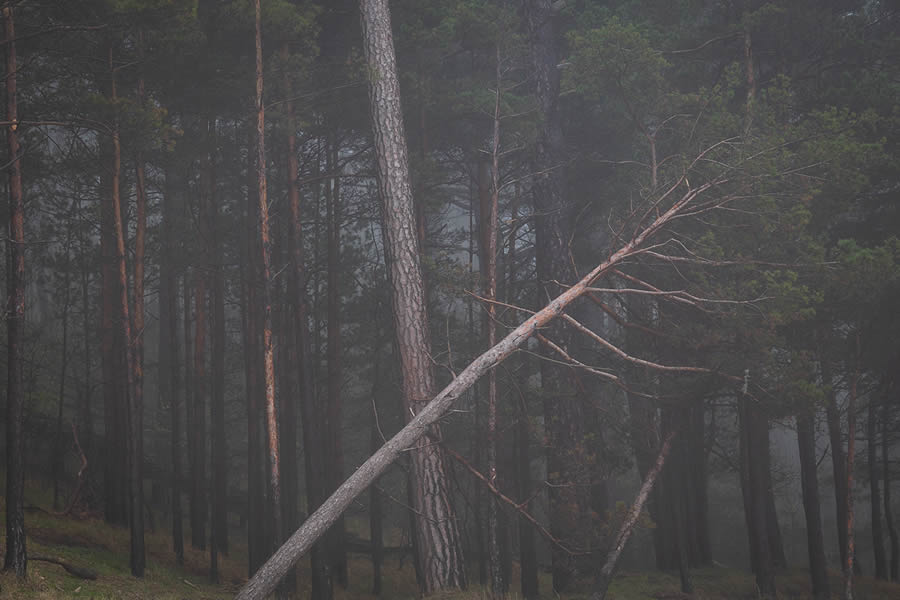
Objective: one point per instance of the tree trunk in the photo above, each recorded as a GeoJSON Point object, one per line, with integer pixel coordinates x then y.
{"type": "Point", "coordinates": [115, 397]}
{"type": "Point", "coordinates": [438, 540]}
{"type": "Point", "coordinates": [838, 458]}
{"type": "Point", "coordinates": [698, 504]}
{"type": "Point", "coordinates": [755, 442]}
{"type": "Point", "coordinates": [333, 411]}
{"type": "Point", "coordinates": [197, 429]}
{"type": "Point", "coordinates": [265, 259]}
{"type": "Point", "coordinates": [569, 489]}
{"type": "Point", "coordinates": [815, 545]}
{"type": "Point", "coordinates": [312, 449]}
{"type": "Point", "coordinates": [219, 447]}
{"type": "Point", "coordinates": [773, 529]}
{"type": "Point", "coordinates": [85, 416]}
{"type": "Point", "coordinates": [881, 571]}
{"type": "Point", "coordinates": [169, 380]}
{"type": "Point", "coordinates": [488, 261]}
{"type": "Point", "coordinates": [888, 511]}
{"type": "Point", "coordinates": [136, 436]}
{"type": "Point", "coordinates": [58, 466]}
{"type": "Point", "coordinates": [15, 559]}
{"type": "Point", "coordinates": [851, 456]}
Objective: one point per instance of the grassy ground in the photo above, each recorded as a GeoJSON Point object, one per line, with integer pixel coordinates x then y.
{"type": "Point", "coordinates": [88, 542]}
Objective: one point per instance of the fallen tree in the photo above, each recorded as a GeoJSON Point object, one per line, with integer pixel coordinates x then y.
{"type": "Point", "coordinates": [656, 217]}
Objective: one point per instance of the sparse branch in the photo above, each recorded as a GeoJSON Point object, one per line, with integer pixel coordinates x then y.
{"type": "Point", "coordinates": [518, 507]}
{"type": "Point", "coordinates": [606, 573]}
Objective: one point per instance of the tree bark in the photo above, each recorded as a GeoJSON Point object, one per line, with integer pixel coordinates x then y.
{"type": "Point", "coordinates": [437, 532]}
{"type": "Point", "coordinates": [295, 318]}
{"type": "Point", "coordinates": [15, 558]}
{"type": "Point", "coordinates": [115, 397]}
{"type": "Point", "coordinates": [58, 466]}
{"type": "Point", "coordinates": [851, 456]}
{"type": "Point", "coordinates": [815, 545]}
{"type": "Point", "coordinates": [755, 442]}
{"type": "Point", "coordinates": [265, 259]}
{"type": "Point", "coordinates": [197, 429]}
{"type": "Point", "coordinates": [333, 411]}
{"type": "Point", "coordinates": [489, 191]}
{"type": "Point", "coordinates": [838, 458]}
{"type": "Point", "coordinates": [888, 511]}
{"type": "Point", "coordinates": [138, 559]}
{"type": "Point", "coordinates": [219, 447]}
{"type": "Point", "coordinates": [881, 571]}
{"type": "Point", "coordinates": [169, 380]}
{"type": "Point", "coordinates": [569, 491]}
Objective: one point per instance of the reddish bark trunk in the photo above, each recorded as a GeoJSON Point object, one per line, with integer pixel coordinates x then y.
{"type": "Point", "coordinates": [265, 254]}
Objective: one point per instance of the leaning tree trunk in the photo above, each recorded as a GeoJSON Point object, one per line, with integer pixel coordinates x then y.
{"type": "Point", "coordinates": [437, 532]}
{"type": "Point", "coordinates": [815, 545]}
{"type": "Point", "coordinates": [266, 579]}
{"type": "Point", "coordinates": [15, 322]}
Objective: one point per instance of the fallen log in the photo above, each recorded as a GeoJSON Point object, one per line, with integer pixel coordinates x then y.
{"type": "Point", "coordinates": [80, 572]}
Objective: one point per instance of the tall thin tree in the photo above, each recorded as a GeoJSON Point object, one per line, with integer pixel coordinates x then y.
{"type": "Point", "coordinates": [437, 532]}
{"type": "Point", "coordinates": [16, 559]}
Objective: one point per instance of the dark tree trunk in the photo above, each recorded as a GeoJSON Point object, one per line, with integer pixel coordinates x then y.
{"type": "Point", "coordinates": [188, 387]}
{"type": "Point", "coordinates": [58, 466]}
{"type": "Point", "coordinates": [754, 444]}
{"type": "Point", "coordinates": [333, 411]}
{"type": "Point", "coordinates": [85, 413]}
{"type": "Point", "coordinates": [881, 571]}
{"type": "Point", "coordinates": [773, 529]}
{"type": "Point", "coordinates": [15, 559]}
{"type": "Point", "coordinates": [888, 510]}
{"type": "Point", "coordinates": [851, 457]}
{"type": "Point", "coordinates": [197, 429]}
{"type": "Point", "coordinates": [219, 447]}
{"type": "Point", "coordinates": [169, 380]}
{"type": "Point", "coordinates": [569, 485]}
{"type": "Point", "coordinates": [838, 459]}
{"type": "Point", "coordinates": [256, 544]}
{"type": "Point", "coordinates": [698, 499]}
{"type": "Point", "coordinates": [300, 339]}
{"type": "Point", "coordinates": [437, 533]}
{"type": "Point", "coordinates": [806, 441]}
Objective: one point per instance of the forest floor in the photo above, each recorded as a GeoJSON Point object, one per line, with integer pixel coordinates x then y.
{"type": "Point", "coordinates": [85, 541]}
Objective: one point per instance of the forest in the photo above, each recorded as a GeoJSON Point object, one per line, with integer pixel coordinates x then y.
{"type": "Point", "coordinates": [530, 299]}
